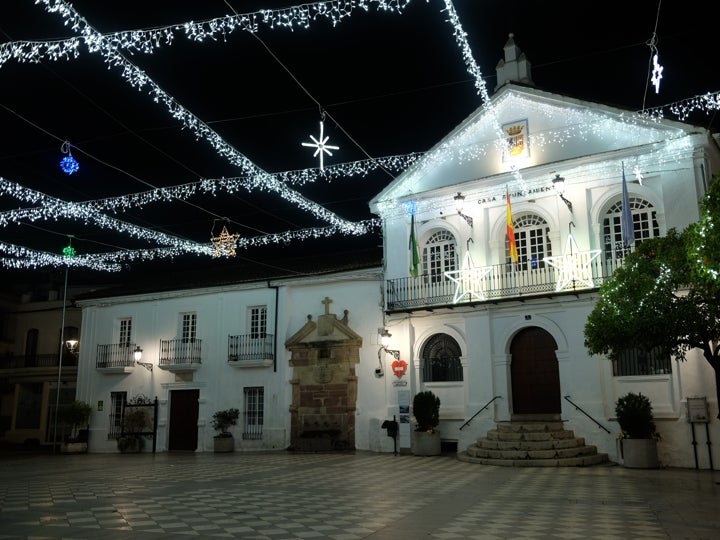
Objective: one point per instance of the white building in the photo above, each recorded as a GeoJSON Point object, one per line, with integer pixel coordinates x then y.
{"type": "Point", "coordinates": [510, 334]}
{"type": "Point", "coordinates": [495, 339]}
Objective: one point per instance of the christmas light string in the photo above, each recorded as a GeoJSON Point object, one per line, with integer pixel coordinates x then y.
{"type": "Point", "coordinates": [139, 80]}
{"type": "Point", "coordinates": [306, 175]}
{"type": "Point", "coordinates": [148, 40]}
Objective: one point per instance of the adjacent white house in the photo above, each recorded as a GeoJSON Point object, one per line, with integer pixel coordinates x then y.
{"type": "Point", "coordinates": [495, 335]}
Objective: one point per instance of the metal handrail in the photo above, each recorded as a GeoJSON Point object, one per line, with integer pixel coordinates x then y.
{"type": "Point", "coordinates": [567, 398]}
{"type": "Point", "coordinates": [481, 410]}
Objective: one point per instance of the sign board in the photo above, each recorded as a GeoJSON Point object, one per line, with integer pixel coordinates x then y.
{"type": "Point", "coordinates": [697, 410]}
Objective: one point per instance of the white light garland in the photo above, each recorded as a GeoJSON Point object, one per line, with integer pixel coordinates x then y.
{"type": "Point", "coordinates": [253, 177]}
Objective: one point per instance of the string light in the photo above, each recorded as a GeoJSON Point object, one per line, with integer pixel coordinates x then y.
{"type": "Point", "coordinates": [146, 41]}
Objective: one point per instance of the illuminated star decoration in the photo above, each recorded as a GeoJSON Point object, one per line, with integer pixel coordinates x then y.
{"type": "Point", "coordinates": [468, 279]}
{"type": "Point", "coordinates": [224, 244]}
{"type": "Point", "coordinates": [573, 265]}
{"type": "Point", "coordinates": [656, 74]}
{"type": "Point", "coordinates": [322, 148]}
{"type": "Point", "coordinates": [68, 164]}
{"type": "Point", "coordinates": [638, 174]}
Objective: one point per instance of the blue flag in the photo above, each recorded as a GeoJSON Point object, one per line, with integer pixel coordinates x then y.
{"type": "Point", "coordinates": [626, 220]}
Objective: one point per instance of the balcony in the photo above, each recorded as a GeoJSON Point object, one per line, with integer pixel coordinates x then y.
{"type": "Point", "coordinates": [251, 350]}
{"type": "Point", "coordinates": [503, 283]}
{"type": "Point", "coordinates": [115, 358]}
{"type": "Point", "coordinates": [38, 361]}
{"type": "Point", "coordinates": [180, 354]}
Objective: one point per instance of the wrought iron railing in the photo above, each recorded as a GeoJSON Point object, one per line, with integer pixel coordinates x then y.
{"type": "Point", "coordinates": [481, 410]}
{"type": "Point", "coordinates": [38, 361]}
{"type": "Point", "coordinates": [504, 281]}
{"type": "Point", "coordinates": [577, 407]}
{"type": "Point", "coordinates": [115, 355]}
{"type": "Point", "coordinates": [180, 351]}
{"type": "Point", "coordinates": [251, 347]}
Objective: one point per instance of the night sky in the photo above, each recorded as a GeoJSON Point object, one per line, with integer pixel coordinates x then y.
{"type": "Point", "coordinates": [388, 84]}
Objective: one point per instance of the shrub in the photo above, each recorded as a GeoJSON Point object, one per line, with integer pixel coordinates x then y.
{"type": "Point", "coordinates": [426, 408]}
{"type": "Point", "coordinates": [634, 414]}
{"type": "Point", "coordinates": [222, 420]}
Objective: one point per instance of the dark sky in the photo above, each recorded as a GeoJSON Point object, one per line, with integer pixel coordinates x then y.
{"type": "Point", "coordinates": [390, 84]}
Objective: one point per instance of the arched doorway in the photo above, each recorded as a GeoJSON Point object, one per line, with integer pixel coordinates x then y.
{"type": "Point", "coordinates": [534, 371]}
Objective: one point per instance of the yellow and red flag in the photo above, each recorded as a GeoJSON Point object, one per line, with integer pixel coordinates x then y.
{"type": "Point", "coordinates": [511, 231]}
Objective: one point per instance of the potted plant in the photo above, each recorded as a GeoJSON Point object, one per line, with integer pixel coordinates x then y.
{"type": "Point", "coordinates": [135, 423]}
{"type": "Point", "coordinates": [426, 439]}
{"type": "Point", "coordinates": [222, 420]}
{"type": "Point", "coordinates": [638, 437]}
{"type": "Point", "coordinates": [74, 416]}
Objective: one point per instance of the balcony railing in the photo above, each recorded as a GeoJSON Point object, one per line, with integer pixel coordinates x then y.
{"type": "Point", "coordinates": [115, 355]}
{"type": "Point", "coordinates": [37, 361]}
{"type": "Point", "coordinates": [174, 352]}
{"type": "Point", "coordinates": [251, 348]}
{"type": "Point", "coordinates": [504, 282]}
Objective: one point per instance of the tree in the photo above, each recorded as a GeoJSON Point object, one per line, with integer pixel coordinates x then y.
{"type": "Point", "coordinates": [666, 294]}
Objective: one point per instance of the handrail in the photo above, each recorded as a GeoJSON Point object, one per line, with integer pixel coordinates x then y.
{"type": "Point", "coordinates": [481, 410]}
{"type": "Point", "coordinates": [567, 398]}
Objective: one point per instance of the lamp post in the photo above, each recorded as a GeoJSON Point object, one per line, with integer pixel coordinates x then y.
{"type": "Point", "coordinates": [71, 344]}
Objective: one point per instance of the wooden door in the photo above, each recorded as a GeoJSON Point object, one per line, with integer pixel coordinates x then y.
{"type": "Point", "coordinates": [184, 410]}
{"type": "Point", "coordinates": [535, 373]}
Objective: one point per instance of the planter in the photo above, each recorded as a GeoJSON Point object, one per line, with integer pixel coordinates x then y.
{"type": "Point", "coordinates": [224, 444]}
{"type": "Point", "coordinates": [426, 443]}
{"type": "Point", "coordinates": [74, 448]}
{"type": "Point", "coordinates": [129, 445]}
{"type": "Point", "coordinates": [639, 453]}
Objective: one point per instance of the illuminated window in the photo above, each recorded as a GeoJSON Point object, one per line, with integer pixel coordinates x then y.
{"type": "Point", "coordinates": [533, 243]}
{"type": "Point", "coordinates": [645, 226]}
{"type": "Point", "coordinates": [439, 256]}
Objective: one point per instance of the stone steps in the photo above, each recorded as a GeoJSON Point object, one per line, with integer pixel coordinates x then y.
{"type": "Point", "coordinates": [528, 443]}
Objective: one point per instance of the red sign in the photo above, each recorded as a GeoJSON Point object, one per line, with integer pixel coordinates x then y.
{"type": "Point", "coordinates": [399, 367]}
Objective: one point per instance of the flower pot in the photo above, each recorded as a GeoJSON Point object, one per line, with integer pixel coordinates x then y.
{"type": "Point", "coordinates": [426, 443]}
{"type": "Point", "coordinates": [639, 453]}
{"type": "Point", "coordinates": [129, 444]}
{"type": "Point", "coordinates": [74, 448]}
{"type": "Point", "coordinates": [224, 444]}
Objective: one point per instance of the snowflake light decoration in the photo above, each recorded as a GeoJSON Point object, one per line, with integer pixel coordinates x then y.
{"type": "Point", "coordinates": [656, 74]}
{"type": "Point", "coordinates": [224, 244]}
{"type": "Point", "coordinates": [320, 145]}
{"type": "Point", "coordinates": [68, 164]}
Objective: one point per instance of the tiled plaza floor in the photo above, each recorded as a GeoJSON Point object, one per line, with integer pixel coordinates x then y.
{"type": "Point", "coordinates": [349, 496]}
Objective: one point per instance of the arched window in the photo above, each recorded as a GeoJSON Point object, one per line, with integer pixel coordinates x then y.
{"type": "Point", "coordinates": [533, 243]}
{"type": "Point", "coordinates": [441, 359]}
{"type": "Point", "coordinates": [645, 226]}
{"type": "Point", "coordinates": [439, 256]}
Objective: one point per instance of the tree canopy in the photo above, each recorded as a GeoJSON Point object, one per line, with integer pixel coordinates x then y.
{"type": "Point", "coordinates": [666, 294]}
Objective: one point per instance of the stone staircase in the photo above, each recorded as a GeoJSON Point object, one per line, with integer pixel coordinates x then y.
{"type": "Point", "coordinates": [532, 443]}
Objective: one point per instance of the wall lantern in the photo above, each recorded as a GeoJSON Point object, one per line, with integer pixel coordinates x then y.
{"type": "Point", "coordinates": [460, 205]}
{"type": "Point", "coordinates": [559, 185]}
{"type": "Point", "coordinates": [137, 355]}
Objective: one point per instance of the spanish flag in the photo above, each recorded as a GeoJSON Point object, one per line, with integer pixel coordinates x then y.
{"type": "Point", "coordinates": [511, 231]}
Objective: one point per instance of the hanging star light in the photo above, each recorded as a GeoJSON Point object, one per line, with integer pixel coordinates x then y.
{"type": "Point", "coordinates": [68, 164]}
{"type": "Point", "coordinates": [468, 280]}
{"type": "Point", "coordinates": [573, 265]}
{"type": "Point", "coordinates": [656, 74]}
{"type": "Point", "coordinates": [638, 174]}
{"type": "Point", "coordinates": [224, 244]}
{"type": "Point", "coordinates": [320, 145]}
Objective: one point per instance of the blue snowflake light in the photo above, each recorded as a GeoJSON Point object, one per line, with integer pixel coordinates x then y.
{"type": "Point", "coordinates": [69, 164]}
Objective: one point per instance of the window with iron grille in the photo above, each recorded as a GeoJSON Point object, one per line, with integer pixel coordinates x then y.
{"type": "Point", "coordinates": [258, 321]}
{"type": "Point", "coordinates": [253, 412]}
{"type": "Point", "coordinates": [125, 335]}
{"type": "Point", "coordinates": [441, 359]}
{"type": "Point", "coordinates": [641, 362]}
{"type": "Point", "coordinates": [532, 241]}
{"type": "Point", "coordinates": [188, 330]}
{"type": "Point", "coordinates": [439, 256]}
{"type": "Point", "coordinates": [645, 226]}
{"type": "Point", "coordinates": [117, 403]}
{"type": "Point", "coordinates": [31, 344]}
